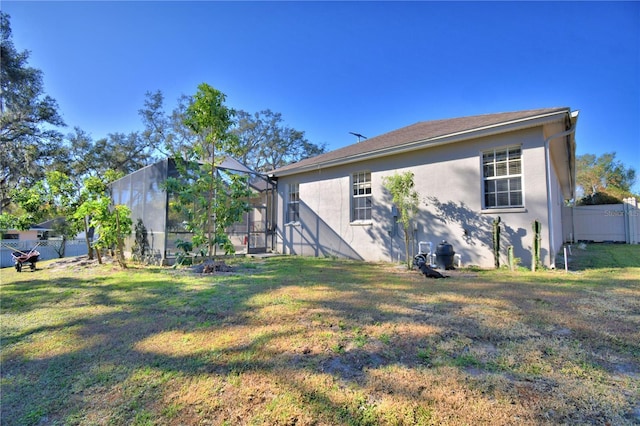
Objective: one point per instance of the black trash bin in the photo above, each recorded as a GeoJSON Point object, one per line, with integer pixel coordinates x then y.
{"type": "Point", "coordinates": [445, 255]}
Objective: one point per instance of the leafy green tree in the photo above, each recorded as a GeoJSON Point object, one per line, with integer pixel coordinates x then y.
{"type": "Point", "coordinates": [603, 179]}
{"type": "Point", "coordinates": [265, 143]}
{"type": "Point", "coordinates": [63, 200]}
{"type": "Point", "coordinates": [157, 129]}
{"type": "Point", "coordinates": [48, 198]}
{"type": "Point", "coordinates": [209, 201]}
{"type": "Point", "coordinates": [28, 119]}
{"type": "Point", "coordinates": [167, 133]}
{"type": "Point", "coordinates": [182, 138]}
{"type": "Point", "coordinates": [112, 223]}
{"type": "Point", "coordinates": [8, 222]}
{"type": "Point", "coordinates": [53, 198]}
{"type": "Point", "coordinates": [32, 203]}
{"type": "Point", "coordinates": [405, 198]}
{"type": "Point", "coordinates": [122, 152]}
{"type": "Point", "coordinates": [93, 190]}
{"type": "Point", "coordinates": [77, 156]}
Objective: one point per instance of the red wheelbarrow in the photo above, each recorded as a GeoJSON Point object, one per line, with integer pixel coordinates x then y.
{"type": "Point", "coordinates": [21, 258]}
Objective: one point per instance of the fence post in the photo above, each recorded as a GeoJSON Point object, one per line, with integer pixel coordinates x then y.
{"type": "Point", "coordinates": [631, 218]}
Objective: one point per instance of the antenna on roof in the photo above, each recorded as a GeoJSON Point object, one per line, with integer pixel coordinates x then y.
{"type": "Point", "coordinates": [358, 135]}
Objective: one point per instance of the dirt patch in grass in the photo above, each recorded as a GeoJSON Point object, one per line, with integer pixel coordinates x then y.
{"type": "Point", "coordinates": [319, 342]}
{"type": "Point", "coordinates": [78, 263]}
{"type": "Point", "coordinates": [212, 267]}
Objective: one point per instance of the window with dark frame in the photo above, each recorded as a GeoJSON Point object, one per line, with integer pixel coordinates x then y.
{"type": "Point", "coordinates": [361, 197]}
{"type": "Point", "coordinates": [293, 203]}
{"type": "Point", "coordinates": [502, 177]}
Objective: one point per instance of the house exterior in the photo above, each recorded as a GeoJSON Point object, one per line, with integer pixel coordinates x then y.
{"type": "Point", "coordinates": [519, 166]}
{"type": "Point", "coordinates": [36, 232]}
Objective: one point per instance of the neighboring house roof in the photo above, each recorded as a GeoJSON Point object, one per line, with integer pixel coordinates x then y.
{"type": "Point", "coordinates": [47, 225]}
{"type": "Point", "coordinates": [425, 134]}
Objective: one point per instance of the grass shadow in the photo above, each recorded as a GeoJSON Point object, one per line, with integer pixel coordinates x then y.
{"type": "Point", "coordinates": [318, 340]}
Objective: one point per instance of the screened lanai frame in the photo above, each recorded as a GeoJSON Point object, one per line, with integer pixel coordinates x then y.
{"type": "Point", "coordinates": [144, 193]}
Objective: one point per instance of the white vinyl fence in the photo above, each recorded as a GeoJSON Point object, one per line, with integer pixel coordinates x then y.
{"type": "Point", "coordinates": [619, 223]}
{"type": "Point", "coordinates": [49, 249]}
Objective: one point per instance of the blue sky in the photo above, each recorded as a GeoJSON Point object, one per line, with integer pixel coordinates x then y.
{"type": "Point", "coordinates": [332, 68]}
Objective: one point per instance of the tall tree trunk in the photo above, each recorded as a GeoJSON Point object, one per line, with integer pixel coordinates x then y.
{"type": "Point", "coordinates": [210, 204]}
{"type": "Point", "coordinates": [86, 237]}
{"type": "Point", "coordinates": [120, 254]}
{"type": "Point", "coordinates": [63, 247]}
{"type": "Point", "coordinates": [407, 245]}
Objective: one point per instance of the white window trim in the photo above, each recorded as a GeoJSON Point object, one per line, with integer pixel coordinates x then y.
{"type": "Point", "coordinates": [289, 203]}
{"type": "Point", "coordinates": [367, 222]}
{"type": "Point", "coordinates": [352, 198]}
{"type": "Point", "coordinates": [503, 209]}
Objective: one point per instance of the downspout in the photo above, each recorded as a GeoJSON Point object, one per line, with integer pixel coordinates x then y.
{"type": "Point", "coordinates": [552, 248]}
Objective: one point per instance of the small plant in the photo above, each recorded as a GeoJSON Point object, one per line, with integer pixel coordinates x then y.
{"type": "Point", "coordinates": [513, 261]}
{"type": "Point", "coordinates": [385, 338]}
{"type": "Point", "coordinates": [466, 360]}
{"type": "Point", "coordinates": [171, 411]}
{"type": "Point", "coordinates": [425, 355]}
{"type": "Point", "coordinates": [405, 198]}
{"type": "Point", "coordinates": [141, 244]}
{"type": "Point", "coordinates": [183, 257]}
{"type": "Point", "coordinates": [360, 339]}
{"type": "Point", "coordinates": [338, 348]}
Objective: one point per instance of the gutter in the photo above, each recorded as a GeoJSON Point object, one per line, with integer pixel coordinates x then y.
{"type": "Point", "coordinates": [552, 248]}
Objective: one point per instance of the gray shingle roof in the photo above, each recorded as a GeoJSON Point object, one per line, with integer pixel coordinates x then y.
{"type": "Point", "coordinates": [422, 131]}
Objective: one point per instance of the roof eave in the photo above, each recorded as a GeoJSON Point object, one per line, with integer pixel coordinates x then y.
{"type": "Point", "coordinates": [484, 131]}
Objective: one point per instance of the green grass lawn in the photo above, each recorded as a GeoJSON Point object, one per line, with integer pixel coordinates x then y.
{"type": "Point", "coordinates": [306, 341]}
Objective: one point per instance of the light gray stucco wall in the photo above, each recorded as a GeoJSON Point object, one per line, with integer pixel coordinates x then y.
{"type": "Point", "coordinates": [449, 181]}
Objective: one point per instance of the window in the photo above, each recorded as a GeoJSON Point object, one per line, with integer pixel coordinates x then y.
{"type": "Point", "coordinates": [502, 177]}
{"type": "Point", "coordinates": [361, 200]}
{"type": "Point", "coordinates": [293, 203]}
